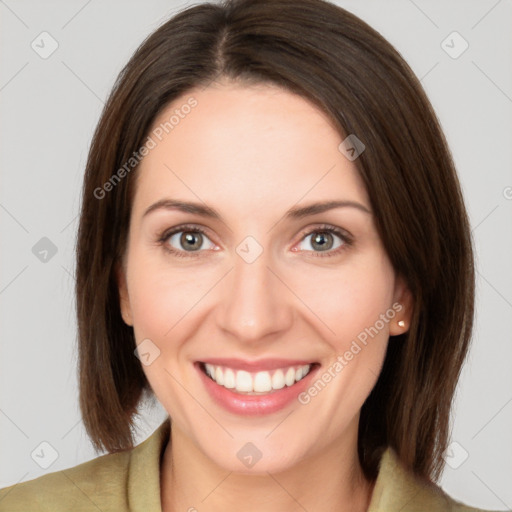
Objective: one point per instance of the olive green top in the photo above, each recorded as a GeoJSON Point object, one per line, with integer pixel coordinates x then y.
{"type": "Point", "coordinates": [130, 481]}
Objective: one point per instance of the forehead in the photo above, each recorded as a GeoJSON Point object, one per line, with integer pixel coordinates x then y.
{"type": "Point", "coordinates": [240, 147]}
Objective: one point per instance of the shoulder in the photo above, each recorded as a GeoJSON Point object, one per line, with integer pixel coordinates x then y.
{"type": "Point", "coordinates": [122, 481]}
{"type": "Point", "coordinates": [82, 487]}
{"type": "Point", "coordinates": [398, 489]}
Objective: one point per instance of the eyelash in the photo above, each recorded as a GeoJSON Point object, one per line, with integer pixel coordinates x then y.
{"type": "Point", "coordinates": [190, 228]}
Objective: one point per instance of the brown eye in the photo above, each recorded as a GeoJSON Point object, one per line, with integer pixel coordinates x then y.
{"type": "Point", "coordinates": [191, 240]}
{"type": "Point", "coordinates": [324, 240]}
{"type": "Point", "coordinates": [183, 240]}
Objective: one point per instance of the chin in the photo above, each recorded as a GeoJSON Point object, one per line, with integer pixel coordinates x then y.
{"type": "Point", "coordinates": [257, 457]}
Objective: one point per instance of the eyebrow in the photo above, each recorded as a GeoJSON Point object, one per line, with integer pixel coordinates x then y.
{"type": "Point", "coordinates": [297, 212]}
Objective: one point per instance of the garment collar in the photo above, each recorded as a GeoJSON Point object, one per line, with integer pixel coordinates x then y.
{"type": "Point", "coordinates": [395, 487]}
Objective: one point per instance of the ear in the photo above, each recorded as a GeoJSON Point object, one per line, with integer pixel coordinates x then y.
{"type": "Point", "coordinates": [402, 304]}
{"type": "Point", "coordinates": [124, 299]}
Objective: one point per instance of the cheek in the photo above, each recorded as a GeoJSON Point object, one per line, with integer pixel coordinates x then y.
{"type": "Point", "coordinates": [160, 296]}
{"type": "Point", "coordinates": [350, 300]}
{"type": "Point", "coordinates": [355, 309]}
{"type": "Point", "coordinates": [151, 303]}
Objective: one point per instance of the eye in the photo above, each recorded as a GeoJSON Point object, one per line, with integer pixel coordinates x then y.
{"type": "Point", "coordinates": [186, 239]}
{"type": "Point", "coordinates": [191, 240]}
{"type": "Point", "coordinates": [325, 239]}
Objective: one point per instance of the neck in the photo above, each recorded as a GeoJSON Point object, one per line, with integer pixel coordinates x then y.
{"type": "Point", "coordinates": [331, 481]}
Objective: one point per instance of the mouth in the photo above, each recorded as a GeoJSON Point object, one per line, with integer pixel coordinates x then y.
{"type": "Point", "coordinates": [256, 383]}
{"type": "Point", "coordinates": [251, 389]}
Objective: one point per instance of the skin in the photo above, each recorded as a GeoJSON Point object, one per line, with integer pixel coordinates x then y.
{"type": "Point", "coordinates": [252, 153]}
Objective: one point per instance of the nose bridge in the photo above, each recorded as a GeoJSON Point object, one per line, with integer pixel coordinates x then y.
{"type": "Point", "coordinates": [254, 302]}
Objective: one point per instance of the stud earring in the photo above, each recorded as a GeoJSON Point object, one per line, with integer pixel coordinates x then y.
{"type": "Point", "coordinates": [401, 323]}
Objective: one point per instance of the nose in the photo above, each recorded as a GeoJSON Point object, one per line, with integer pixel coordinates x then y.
{"type": "Point", "coordinates": [254, 304]}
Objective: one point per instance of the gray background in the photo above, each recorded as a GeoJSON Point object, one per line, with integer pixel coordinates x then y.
{"type": "Point", "coordinates": [49, 108]}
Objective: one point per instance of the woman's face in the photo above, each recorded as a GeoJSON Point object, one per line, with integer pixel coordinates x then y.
{"type": "Point", "coordinates": [228, 272]}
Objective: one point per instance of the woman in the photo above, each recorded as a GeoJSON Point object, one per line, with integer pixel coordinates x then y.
{"type": "Point", "coordinates": [273, 241]}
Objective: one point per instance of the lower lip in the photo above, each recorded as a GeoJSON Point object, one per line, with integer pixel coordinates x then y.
{"type": "Point", "coordinates": [254, 405]}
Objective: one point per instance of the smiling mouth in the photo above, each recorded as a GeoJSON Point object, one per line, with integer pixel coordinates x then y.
{"type": "Point", "coordinates": [256, 383]}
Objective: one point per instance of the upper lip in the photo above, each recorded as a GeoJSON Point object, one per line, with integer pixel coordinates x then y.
{"type": "Point", "coordinates": [258, 365]}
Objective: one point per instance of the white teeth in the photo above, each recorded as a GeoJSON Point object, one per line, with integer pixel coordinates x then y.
{"type": "Point", "coordinates": [243, 381]}
{"type": "Point", "coordinates": [259, 382]}
{"type": "Point", "coordinates": [210, 370]}
{"type": "Point", "coordinates": [278, 380]}
{"type": "Point", "coordinates": [229, 379]}
{"type": "Point", "coordinates": [289, 378]}
{"type": "Point", "coordinates": [219, 377]}
{"type": "Point", "coordinates": [262, 382]}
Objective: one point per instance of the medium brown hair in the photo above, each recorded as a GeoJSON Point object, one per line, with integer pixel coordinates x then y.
{"type": "Point", "coordinates": [332, 58]}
